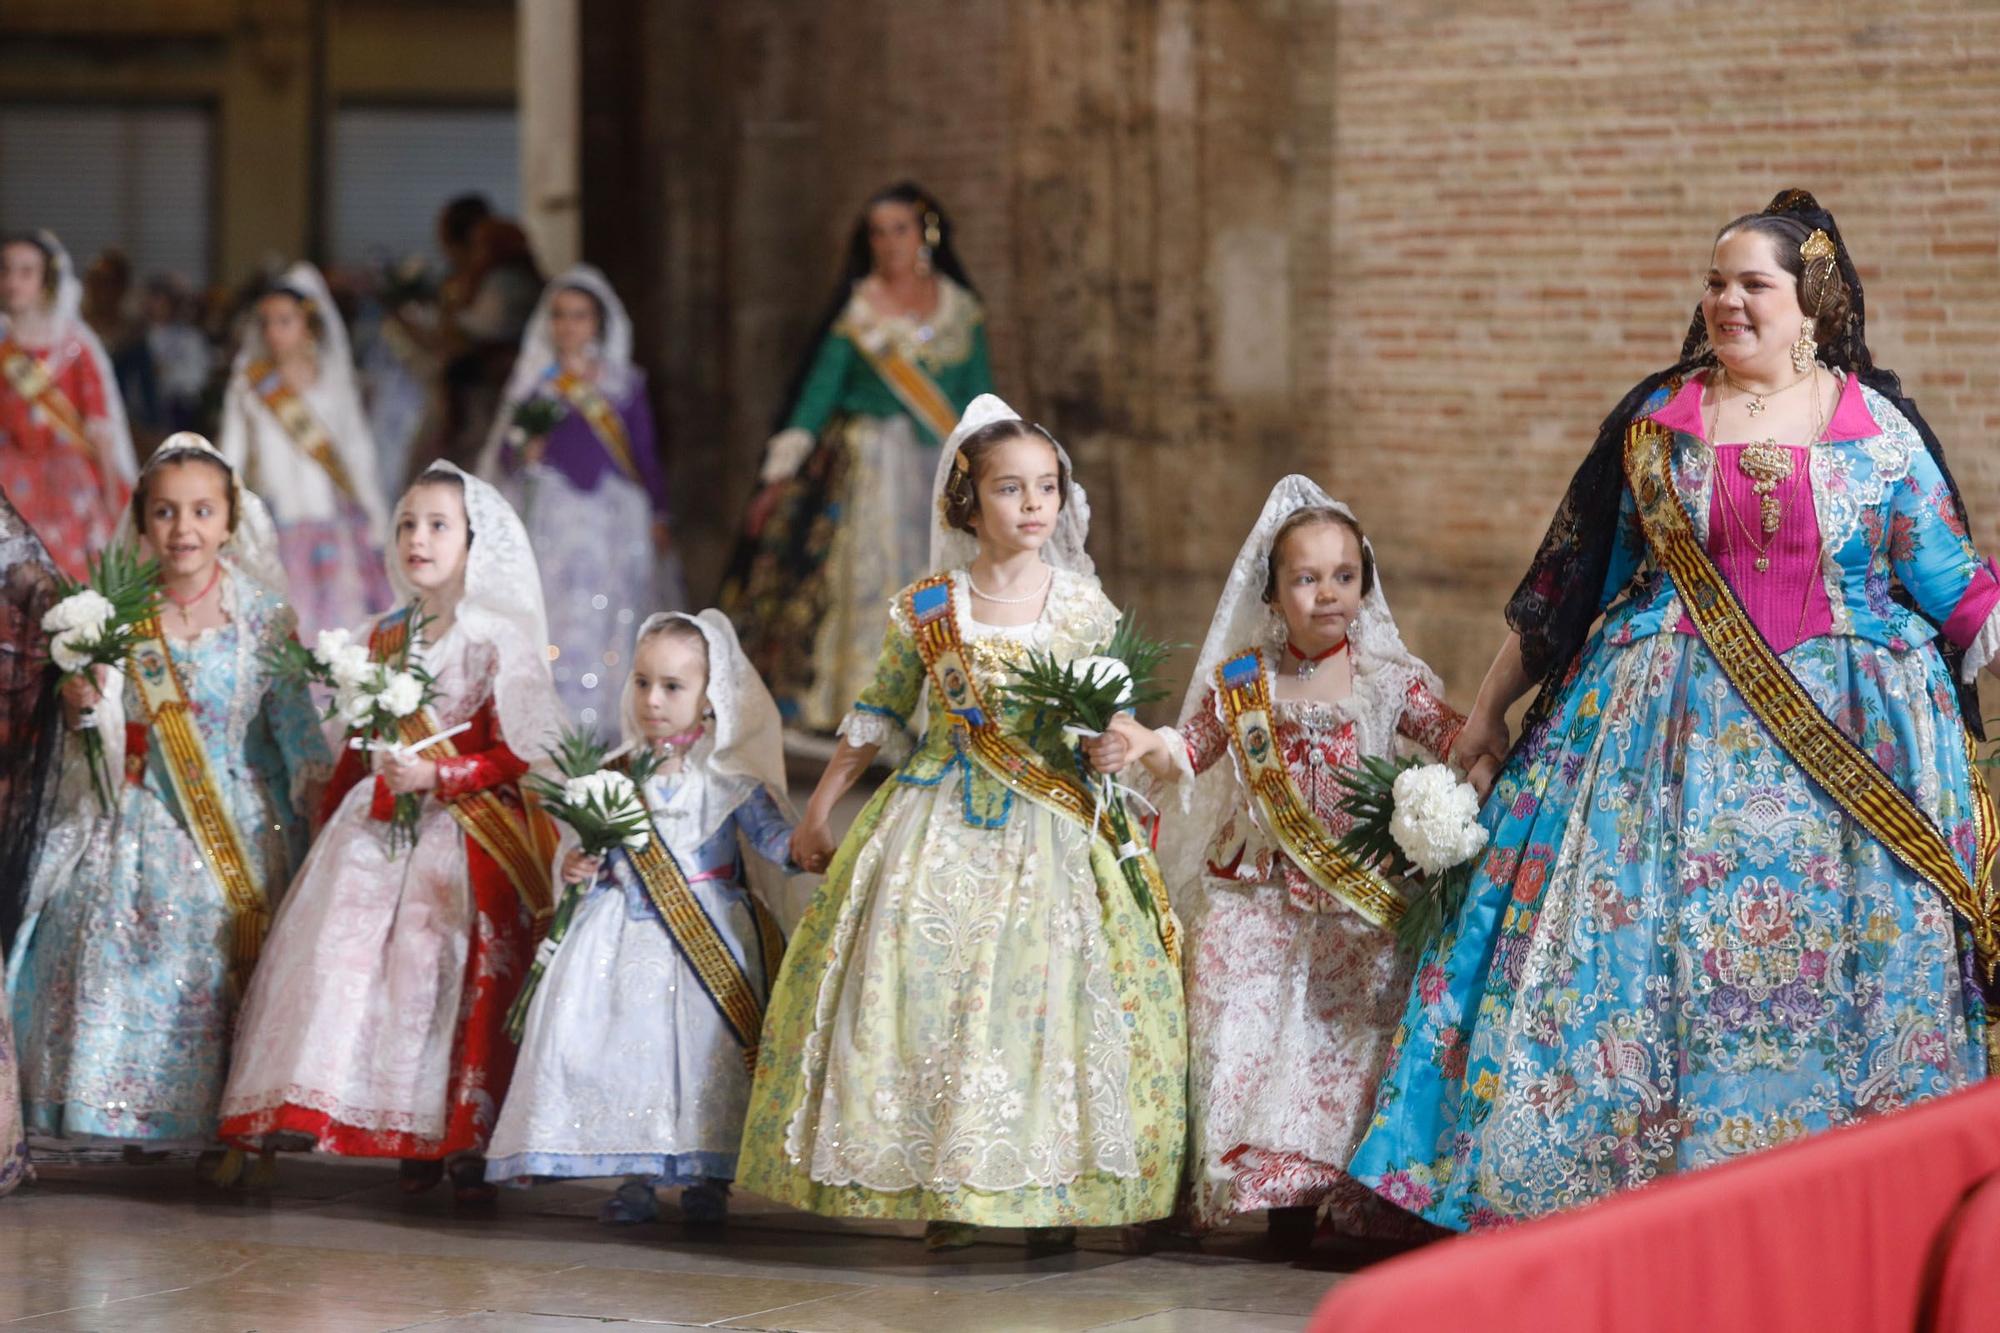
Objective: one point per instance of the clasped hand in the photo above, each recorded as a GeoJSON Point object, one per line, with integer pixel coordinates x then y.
{"type": "Point", "coordinates": [404, 773]}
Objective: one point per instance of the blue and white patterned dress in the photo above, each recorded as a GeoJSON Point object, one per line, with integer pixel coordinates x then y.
{"type": "Point", "coordinates": [123, 1002]}
{"type": "Point", "coordinates": [626, 1068]}
{"type": "Point", "coordinates": [1679, 950]}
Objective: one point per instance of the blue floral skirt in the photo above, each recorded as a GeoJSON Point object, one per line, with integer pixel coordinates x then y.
{"type": "Point", "coordinates": [1678, 950]}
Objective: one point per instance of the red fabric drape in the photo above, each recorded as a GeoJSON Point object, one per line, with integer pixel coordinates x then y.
{"type": "Point", "coordinates": [1894, 1224]}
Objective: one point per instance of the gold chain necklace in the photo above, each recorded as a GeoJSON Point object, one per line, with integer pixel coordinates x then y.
{"type": "Point", "coordinates": [1755, 407]}
{"type": "Point", "coordinates": [1769, 465]}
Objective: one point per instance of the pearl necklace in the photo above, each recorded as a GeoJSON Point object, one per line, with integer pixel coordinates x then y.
{"type": "Point", "coordinates": [986, 596]}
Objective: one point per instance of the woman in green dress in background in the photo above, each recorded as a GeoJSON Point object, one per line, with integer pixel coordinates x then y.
{"type": "Point", "coordinates": [840, 523]}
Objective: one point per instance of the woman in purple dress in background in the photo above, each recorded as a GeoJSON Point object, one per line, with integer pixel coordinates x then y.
{"type": "Point", "coordinates": [590, 488]}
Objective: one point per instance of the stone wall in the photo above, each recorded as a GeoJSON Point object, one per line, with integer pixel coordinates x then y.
{"type": "Point", "coordinates": [1414, 249]}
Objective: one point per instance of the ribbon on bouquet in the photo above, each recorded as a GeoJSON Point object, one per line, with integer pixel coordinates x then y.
{"type": "Point", "coordinates": [1103, 786]}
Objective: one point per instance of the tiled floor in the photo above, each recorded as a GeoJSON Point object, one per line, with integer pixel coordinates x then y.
{"type": "Point", "coordinates": [336, 1247]}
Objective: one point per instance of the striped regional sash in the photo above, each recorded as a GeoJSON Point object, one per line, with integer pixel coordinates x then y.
{"type": "Point", "coordinates": [605, 423]}
{"type": "Point", "coordinates": [163, 696]}
{"type": "Point", "coordinates": [698, 940]}
{"type": "Point", "coordinates": [1007, 758]}
{"type": "Point", "coordinates": [28, 377]}
{"type": "Point", "coordinates": [1836, 765]}
{"type": "Point", "coordinates": [1244, 690]}
{"type": "Point", "coordinates": [516, 834]}
{"type": "Point", "coordinates": [296, 416]}
{"type": "Point", "coordinates": [913, 389]}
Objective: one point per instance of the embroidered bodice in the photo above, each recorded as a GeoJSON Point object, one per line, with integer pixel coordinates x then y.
{"type": "Point", "coordinates": [949, 347]}
{"type": "Point", "coordinates": [1076, 621]}
{"type": "Point", "coordinates": [253, 727]}
{"type": "Point", "coordinates": [1866, 509]}
{"type": "Point", "coordinates": [1319, 741]}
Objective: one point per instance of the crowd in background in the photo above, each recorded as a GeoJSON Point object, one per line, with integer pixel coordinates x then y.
{"type": "Point", "coordinates": [433, 343]}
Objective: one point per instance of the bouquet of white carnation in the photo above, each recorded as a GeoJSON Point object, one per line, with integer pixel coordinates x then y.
{"type": "Point", "coordinates": [606, 808]}
{"type": "Point", "coordinates": [95, 623]}
{"type": "Point", "coordinates": [1421, 822]}
{"type": "Point", "coordinates": [371, 698]}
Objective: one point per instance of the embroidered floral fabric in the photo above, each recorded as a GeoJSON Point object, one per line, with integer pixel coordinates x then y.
{"type": "Point", "coordinates": [975, 1022]}
{"type": "Point", "coordinates": [122, 991]}
{"type": "Point", "coordinates": [1678, 949]}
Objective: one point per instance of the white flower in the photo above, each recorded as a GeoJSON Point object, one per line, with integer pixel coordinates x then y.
{"type": "Point", "coordinates": [1105, 671]}
{"type": "Point", "coordinates": [1436, 818]}
{"type": "Point", "coordinates": [87, 610]}
{"type": "Point", "coordinates": [402, 694]}
{"type": "Point", "coordinates": [350, 667]}
{"type": "Point", "coordinates": [613, 792]}
{"type": "Point", "coordinates": [330, 644]}
{"type": "Point", "coordinates": [84, 609]}
{"type": "Point", "coordinates": [637, 838]}
{"type": "Point", "coordinates": [66, 650]}
{"type": "Point", "coordinates": [354, 706]}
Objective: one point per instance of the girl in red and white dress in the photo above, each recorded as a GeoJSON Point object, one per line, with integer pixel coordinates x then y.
{"type": "Point", "coordinates": [66, 459]}
{"type": "Point", "coordinates": [375, 1023]}
{"type": "Point", "coordinates": [1293, 994]}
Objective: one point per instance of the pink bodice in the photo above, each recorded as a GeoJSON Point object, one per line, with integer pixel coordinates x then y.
{"type": "Point", "coordinates": [1787, 599]}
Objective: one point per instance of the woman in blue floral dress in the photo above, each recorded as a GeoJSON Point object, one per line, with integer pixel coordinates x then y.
{"type": "Point", "coordinates": [1694, 934]}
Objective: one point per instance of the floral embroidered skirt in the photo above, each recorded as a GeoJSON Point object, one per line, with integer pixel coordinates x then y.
{"type": "Point", "coordinates": [1678, 950]}
{"type": "Point", "coordinates": [972, 1024]}
{"type": "Point", "coordinates": [335, 571]}
{"type": "Point", "coordinates": [1290, 1015]}
{"type": "Point", "coordinates": [810, 594]}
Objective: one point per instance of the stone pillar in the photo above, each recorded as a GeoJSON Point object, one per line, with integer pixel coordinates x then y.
{"type": "Point", "coordinates": [551, 113]}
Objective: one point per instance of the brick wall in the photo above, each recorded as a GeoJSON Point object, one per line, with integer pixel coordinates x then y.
{"type": "Point", "coordinates": [1414, 249]}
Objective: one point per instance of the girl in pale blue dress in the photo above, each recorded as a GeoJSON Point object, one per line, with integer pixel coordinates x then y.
{"type": "Point", "coordinates": [124, 976]}
{"type": "Point", "coordinates": [630, 1064]}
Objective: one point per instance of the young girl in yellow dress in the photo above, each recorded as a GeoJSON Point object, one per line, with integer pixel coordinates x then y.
{"type": "Point", "coordinates": [976, 1023]}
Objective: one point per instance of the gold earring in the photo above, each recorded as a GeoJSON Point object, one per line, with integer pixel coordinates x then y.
{"type": "Point", "coordinates": [1805, 351]}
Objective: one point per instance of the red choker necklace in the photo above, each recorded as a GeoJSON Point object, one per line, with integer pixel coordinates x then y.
{"type": "Point", "coordinates": [214, 577]}
{"type": "Point", "coordinates": [1308, 665]}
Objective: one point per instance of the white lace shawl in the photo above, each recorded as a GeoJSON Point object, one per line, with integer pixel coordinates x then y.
{"type": "Point", "coordinates": [1383, 669]}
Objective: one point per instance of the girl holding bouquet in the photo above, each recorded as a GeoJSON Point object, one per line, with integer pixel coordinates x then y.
{"type": "Point", "coordinates": [635, 1059]}
{"type": "Point", "coordinates": [142, 925]}
{"type": "Point", "coordinates": [1296, 979]}
{"type": "Point", "coordinates": [978, 1023]}
{"type": "Point", "coordinates": [375, 1029]}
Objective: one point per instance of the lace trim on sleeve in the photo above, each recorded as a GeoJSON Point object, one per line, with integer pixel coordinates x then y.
{"type": "Point", "coordinates": [1984, 647]}
{"type": "Point", "coordinates": [862, 727]}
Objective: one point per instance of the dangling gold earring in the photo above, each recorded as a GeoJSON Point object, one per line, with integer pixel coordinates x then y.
{"type": "Point", "coordinates": [1805, 351]}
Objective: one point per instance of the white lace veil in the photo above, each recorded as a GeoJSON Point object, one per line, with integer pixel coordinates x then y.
{"type": "Point", "coordinates": [252, 549]}
{"type": "Point", "coordinates": [1383, 669]}
{"type": "Point", "coordinates": [66, 319]}
{"type": "Point", "coordinates": [502, 608]}
{"type": "Point", "coordinates": [538, 353]}
{"type": "Point", "coordinates": [355, 444]}
{"type": "Point", "coordinates": [952, 549]}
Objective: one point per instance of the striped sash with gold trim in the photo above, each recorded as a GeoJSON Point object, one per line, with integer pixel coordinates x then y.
{"type": "Point", "coordinates": [1841, 769]}
{"type": "Point", "coordinates": [1007, 758]}
{"type": "Point", "coordinates": [519, 837]}
{"type": "Point", "coordinates": [698, 940]}
{"type": "Point", "coordinates": [296, 416]}
{"type": "Point", "coordinates": [605, 423]}
{"type": "Point", "coordinates": [913, 389]}
{"type": "Point", "coordinates": [163, 696]}
{"type": "Point", "coordinates": [28, 377]}
{"type": "Point", "coordinates": [1243, 688]}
